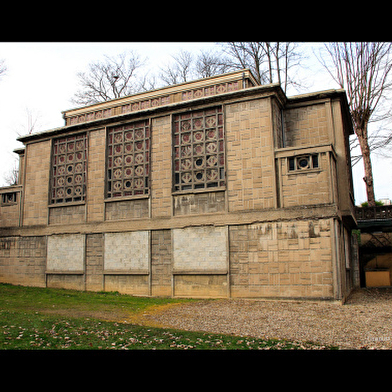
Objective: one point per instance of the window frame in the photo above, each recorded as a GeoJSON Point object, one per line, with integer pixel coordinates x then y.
{"type": "Point", "coordinates": [193, 155]}
{"type": "Point", "coordinates": [7, 201]}
{"type": "Point", "coordinates": [55, 164]}
{"type": "Point", "coordinates": [146, 163]}
{"type": "Point", "coordinates": [294, 166]}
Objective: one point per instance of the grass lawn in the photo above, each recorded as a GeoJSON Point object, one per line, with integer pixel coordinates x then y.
{"type": "Point", "coordinates": [42, 318]}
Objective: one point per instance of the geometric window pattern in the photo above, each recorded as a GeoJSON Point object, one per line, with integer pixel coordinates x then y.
{"type": "Point", "coordinates": [128, 160]}
{"type": "Point", "coordinates": [69, 168]}
{"type": "Point", "coordinates": [199, 152]}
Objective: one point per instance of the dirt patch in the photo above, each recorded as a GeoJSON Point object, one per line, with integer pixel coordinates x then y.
{"type": "Point", "coordinates": [146, 317]}
{"type": "Point", "coordinates": [143, 317]}
{"type": "Point", "coordinates": [117, 316]}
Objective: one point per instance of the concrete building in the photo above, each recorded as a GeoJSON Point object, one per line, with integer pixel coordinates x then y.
{"type": "Point", "coordinates": [218, 187]}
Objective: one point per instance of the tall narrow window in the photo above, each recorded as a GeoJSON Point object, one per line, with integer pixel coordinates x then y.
{"type": "Point", "coordinates": [128, 160]}
{"type": "Point", "coordinates": [199, 151]}
{"type": "Point", "coordinates": [69, 167]}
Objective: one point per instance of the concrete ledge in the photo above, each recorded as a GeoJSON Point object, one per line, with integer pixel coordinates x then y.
{"type": "Point", "coordinates": [317, 211]}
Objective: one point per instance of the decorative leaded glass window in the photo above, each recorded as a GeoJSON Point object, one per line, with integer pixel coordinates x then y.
{"type": "Point", "coordinates": [199, 149]}
{"type": "Point", "coordinates": [69, 168]}
{"type": "Point", "coordinates": [128, 160]}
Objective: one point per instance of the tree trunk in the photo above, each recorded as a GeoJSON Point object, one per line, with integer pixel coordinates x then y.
{"type": "Point", "coordinates": [367, 164]}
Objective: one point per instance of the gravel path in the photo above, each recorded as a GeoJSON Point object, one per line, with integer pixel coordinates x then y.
{"type": "Point", "coordinates": [364, 322]}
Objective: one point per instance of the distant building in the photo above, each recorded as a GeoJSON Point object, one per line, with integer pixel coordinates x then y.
{"type": "Point", "coordinates": [218, 187]}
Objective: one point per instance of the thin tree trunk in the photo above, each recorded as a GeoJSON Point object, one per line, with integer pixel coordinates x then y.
{"type": "Point", "coordinates": [268, 52]}
{"type": "Point", "coordinates": [367, 164]}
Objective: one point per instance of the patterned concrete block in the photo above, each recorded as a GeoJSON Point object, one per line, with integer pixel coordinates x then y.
{"type": "Point", "coordinates": [127, 251]}
{"type": "Point", "coordinates": [200, 249]}
{"type": "Point", "coordinates": [66, 252]}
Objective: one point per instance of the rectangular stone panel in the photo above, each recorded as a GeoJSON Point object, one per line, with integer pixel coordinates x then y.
{"type": "Point", "coordinates": [127, 251]}
{"type": "Point", "coordinates": [66, 252]}
{"type": "Point", "coordinates": [200, 249]}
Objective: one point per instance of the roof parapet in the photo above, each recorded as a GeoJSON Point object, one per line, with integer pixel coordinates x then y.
{"type": "Point", "coordinates": [213, 85]}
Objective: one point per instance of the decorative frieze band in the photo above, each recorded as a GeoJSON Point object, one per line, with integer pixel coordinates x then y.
{"type": "Point", "coordinates": [137, 105]}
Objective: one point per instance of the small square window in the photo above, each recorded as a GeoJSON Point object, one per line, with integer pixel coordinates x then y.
{"type": "Point", "coordinates": [8, 198]}
{"type": "Point", "coordinates": [303, 162]}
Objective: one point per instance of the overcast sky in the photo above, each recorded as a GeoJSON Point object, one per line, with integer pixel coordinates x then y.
{"type": "Point", "coordinates": [41, 78]}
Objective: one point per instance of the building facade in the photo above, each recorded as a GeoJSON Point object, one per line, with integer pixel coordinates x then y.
{"type": "Point", "coordinates": [218, 187]}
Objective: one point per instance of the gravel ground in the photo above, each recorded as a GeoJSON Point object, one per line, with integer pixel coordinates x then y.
{"type": "Point", "coordinates": [363, 322]}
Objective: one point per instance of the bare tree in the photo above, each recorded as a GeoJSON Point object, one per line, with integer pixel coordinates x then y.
{"type": "Point", "coordinates": [113, 78]}
{"type": "Point", "coordinates": [363, 70]}
{"type": "Point", "coordinates": [180, 70]}
{"type": "Point", "coordinates": [32, 123]}
{"type": "Point", "coordinates": [380, 143]}
{"type": "Point", "coordinates": [247, 55]}
{"type": "Point", "coordinates": [147, 82]}
{"type": "Point", "coordinates": [210, 63]}
{"type": "Point", "coordinates": [185, 66]}
{"type": "Point", "coordinates": [270, 62]}
{"type": "Point", "coordinates": [3, 68]}
{"type": "Point", "coordinates": [11, 176]}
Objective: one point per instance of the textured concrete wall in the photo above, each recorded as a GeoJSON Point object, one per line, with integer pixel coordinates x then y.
{"type": "Point", "coordinates": [128, 284]}
{"type": "Point", "coordinates": [35, 208]}
{"type": "Point", "coordinates": [127, 209]}
{"type": "Point", "coordinates": [64, 281]}
{"type": "Point", "coordinates": [161, 173]}
{"type": "Point", "coordinates": [161, 262]}
{"type": "Point", "coordinates": [306, 125]}
{"type": "Point", "coordinates": [96, 172]}
{"type": "Point", "coordinates": [94, 262]}
{"type": "Point", "coordinates": [127, 251]}
{"type": "Point", "coordinates": [23, 260]}
{"type": "Point", "coordinates": [306, 187]}
{"type": "Point", "coordinates": [203, 286]}
{"type": "Point", "coordinates": [199, 203]}
{"type": "Point", "coordinates": [282, 259]}
{"type": "Point", "coordinates": [10, 211]}
{"type": "Point", "coordinates": [67, 214]}
{"type": "Point", "coordinates": [250, 159]}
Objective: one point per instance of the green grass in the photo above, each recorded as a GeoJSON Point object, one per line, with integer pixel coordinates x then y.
{"type": "Point", "coordinates": [41, 318]}
{"type": "Point", "coordinates": [42, 299]}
